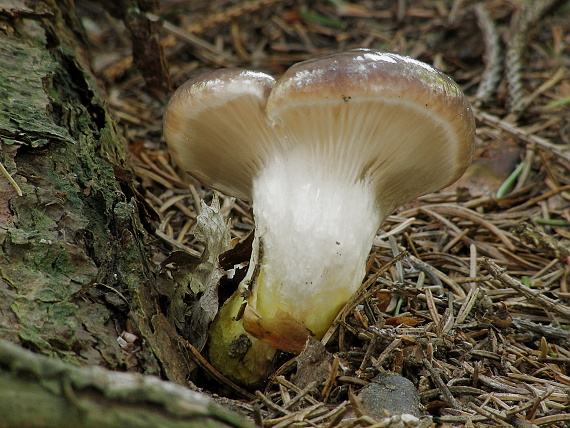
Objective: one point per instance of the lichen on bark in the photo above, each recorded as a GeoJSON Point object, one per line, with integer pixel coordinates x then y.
{"type": "Point", "coordinates": [73, 242]}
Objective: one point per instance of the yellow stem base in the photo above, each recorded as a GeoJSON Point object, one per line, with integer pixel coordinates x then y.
{"type": "Point", "coordinates": [234, 352]}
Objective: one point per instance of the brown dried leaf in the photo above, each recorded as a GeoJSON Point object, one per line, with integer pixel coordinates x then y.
{"type": "Point", "coordinates": [409, 321]}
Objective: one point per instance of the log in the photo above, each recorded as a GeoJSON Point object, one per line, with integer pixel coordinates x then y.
{"type": "Point", "coordinates": [75, 236]}
{"type": "Point", "coordinates": [41, 392]}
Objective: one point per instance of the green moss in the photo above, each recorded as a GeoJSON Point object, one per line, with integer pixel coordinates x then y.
{"type": "Point", "coordinates": [63, 313]}
{"type": "Point", "coordinates": [72, 228]}
{"type": "Point", "coordinates": [24, 68]}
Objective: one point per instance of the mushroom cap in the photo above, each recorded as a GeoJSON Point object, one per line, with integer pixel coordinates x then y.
{"type": "Point", "coordinates": [216, 129]}
{"type": "Point", "coordinates": [364, 114]}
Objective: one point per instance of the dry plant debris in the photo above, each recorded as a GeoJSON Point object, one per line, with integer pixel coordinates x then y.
{"type": "Point", "coordinates": [467, 292]}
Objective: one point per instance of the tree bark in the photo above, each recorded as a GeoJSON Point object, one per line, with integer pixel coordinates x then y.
{"type": "Point", "coordinates": [75, 270]}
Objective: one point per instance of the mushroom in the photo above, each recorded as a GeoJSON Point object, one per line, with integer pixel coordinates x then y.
{"type": "Point", "coordinates": [325, 153]}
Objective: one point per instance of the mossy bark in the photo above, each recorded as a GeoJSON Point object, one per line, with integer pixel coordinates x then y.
{"type": "Point", "coordinates": [43, 392]}
{"type": "Point", "coordinates": [72, 242]}
{"type": "Point", "coordinates": [74, 260]}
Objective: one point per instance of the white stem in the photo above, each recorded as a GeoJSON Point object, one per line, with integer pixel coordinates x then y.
{"type": "Point", "coordinates": [316, 229]}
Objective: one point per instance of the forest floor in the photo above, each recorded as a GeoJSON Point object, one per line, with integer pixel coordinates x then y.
{"type": "Point", "coordinates": [476, 312]}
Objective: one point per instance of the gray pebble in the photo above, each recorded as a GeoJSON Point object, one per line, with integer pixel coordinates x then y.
{"type": "Point", "coordinates": [390, 394]}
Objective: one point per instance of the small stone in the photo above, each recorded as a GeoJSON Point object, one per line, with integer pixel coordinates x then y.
{"type": "Point", "coordinates": [409, 419]}
{"type": "Point", "coordinates": [390, 394]}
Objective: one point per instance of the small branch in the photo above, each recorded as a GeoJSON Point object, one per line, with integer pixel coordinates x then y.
{"type": "Point", "coordinates": [441, 385]}
{"type": "Point", "coordinates": [208, 368]}
{"type": "Point", "coordinates": [517, 132]}
{"type": "Point", "coordinates": [546, 302]}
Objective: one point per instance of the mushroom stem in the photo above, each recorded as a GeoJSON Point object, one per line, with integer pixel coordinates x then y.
{"type": "Point", "coordinates": [315, 227]}
{"type": "Point", "coordinates": [314, 231]}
